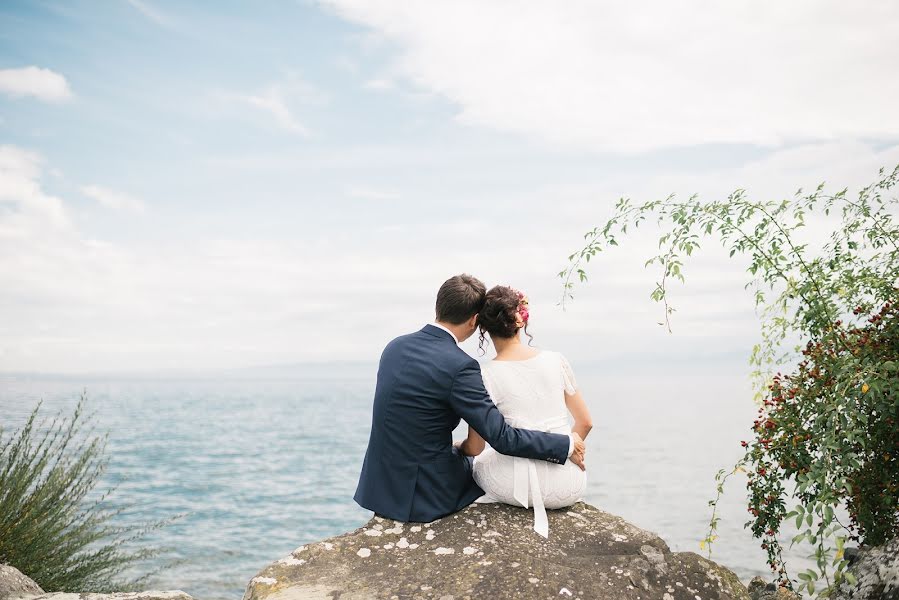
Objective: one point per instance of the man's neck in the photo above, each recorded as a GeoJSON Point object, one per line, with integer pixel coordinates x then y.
{"type": "Point", "coordinates": [455, 329]}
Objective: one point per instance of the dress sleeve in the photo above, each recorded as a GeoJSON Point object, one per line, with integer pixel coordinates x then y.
{"type": "Point", "coordinates": [568, 379]}
{"type": "Point", "coordinates": [488, 384]}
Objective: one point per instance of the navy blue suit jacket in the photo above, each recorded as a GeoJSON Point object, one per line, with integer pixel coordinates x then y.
{"type": "Point", "coordinates": [425, 384]}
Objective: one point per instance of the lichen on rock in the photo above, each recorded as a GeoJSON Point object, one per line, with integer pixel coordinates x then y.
{"type": "Point", "coordinates": [16, 586]}
{"type": "Point", "coordinates": [876, 570]}
{"type": "Point", "coordinates": [492, 551]}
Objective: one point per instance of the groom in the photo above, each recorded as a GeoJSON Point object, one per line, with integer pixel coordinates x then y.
{"type": "Point", "coordinates": [425, 384]}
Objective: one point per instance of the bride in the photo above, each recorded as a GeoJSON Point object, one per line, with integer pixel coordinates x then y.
{"type": "Point", "coordinates": [533, 390]}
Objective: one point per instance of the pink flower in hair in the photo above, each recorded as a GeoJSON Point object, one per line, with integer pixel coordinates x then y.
{"type": "Point", "coordinates": [523, 307]}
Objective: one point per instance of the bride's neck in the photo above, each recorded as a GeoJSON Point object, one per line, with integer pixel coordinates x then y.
{"type": "Point", "coordinates": [506, 345]}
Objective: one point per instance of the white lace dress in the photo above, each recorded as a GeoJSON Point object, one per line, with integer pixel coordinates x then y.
{"type": "Point", "coordinates": [531, 395]}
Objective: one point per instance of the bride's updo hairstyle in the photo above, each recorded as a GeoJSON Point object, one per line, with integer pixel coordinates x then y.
{"type": "Point", "coordinates": [504, 308]}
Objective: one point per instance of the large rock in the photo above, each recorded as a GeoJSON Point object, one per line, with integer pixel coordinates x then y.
{"type": "Point", "coordinates": [147, 595]}
{"type": "Point", "coordinates": [16, 586]}
{"type": "Point", "coordinates": [876, 571]}
{"type": "Point", "coordinates": [491, 551]}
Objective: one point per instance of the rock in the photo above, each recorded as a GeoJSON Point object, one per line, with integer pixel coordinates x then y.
{"type": "Point", "coordinates": [491, 551]}
{"type": "Point", "coordinates": [14, 584]}
{"type": "Point", "coordinates": [759, 590]}
{"type": "Point", "coordinates": [876, 570]}
{"type": "Point", "coordinates": [777, 593]}
{"type": "Point", "coordinates": [851, 555]}
{"type": "Point", "coordinates": [756, 587]}
{"type": "Point", "coordinates": [147, 595]}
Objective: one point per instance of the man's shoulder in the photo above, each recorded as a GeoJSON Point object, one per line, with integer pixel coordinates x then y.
{"type": "Point", "coordinates": [407, 339]}
{"type": "Point", "coordinates": [402, 338]}
{"type": "Point", "coordinates": [396, 344]}
{"type": "Point", "coordinates": [451, 353]}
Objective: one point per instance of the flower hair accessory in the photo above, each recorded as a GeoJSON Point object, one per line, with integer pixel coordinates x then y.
{"type": "Point", "coordinates": [523, 307]}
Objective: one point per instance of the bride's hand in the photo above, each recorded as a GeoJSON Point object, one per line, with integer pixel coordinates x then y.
{"type": "Point", "coordinates": [579, 452]}
{"type": "Point", "coordinates": [578, 459]}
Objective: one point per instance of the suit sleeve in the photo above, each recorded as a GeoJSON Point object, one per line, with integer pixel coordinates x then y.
{"type": "Point", "coordinates": [470, 400]}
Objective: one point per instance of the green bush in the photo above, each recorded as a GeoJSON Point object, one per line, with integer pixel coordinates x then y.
{"type": "Point", "coordinates": [827, 419]}
{"type": "Point", "coordinates": [49, 529]}
{"type": "Point", "coordinates": [831, 427]}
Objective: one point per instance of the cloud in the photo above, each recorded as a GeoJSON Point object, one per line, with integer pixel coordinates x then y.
{"type": "Point", "coordinates": [347, 281]}
{"type": "Point", "coordinates": [625, 77]}
{"type": "Point", "coordinates": [379, 84]}
{"type": "Point", "coordinates": [278, 100]}
{"type": "Point", "coordinates": [151, 13]}
{"type": "Point", "coordinates": [40, 83]}
{"type": "Point", "coordinates": [367, 193]}
{"type": "Point", "coordinates": [71, 302]}
{"type": "Point", "coordinates": [19, 188]}
{"type": "Point", "coordinates": [272, 101]}
{"type": "Point", "coordinates": [113, 199]}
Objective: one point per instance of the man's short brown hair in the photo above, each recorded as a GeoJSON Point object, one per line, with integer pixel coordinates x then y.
{"type": "Point", "coordinates": [459, 298]}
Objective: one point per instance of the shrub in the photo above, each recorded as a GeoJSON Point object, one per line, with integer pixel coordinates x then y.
{"type": "Point", "coordinates": [827, 426]}
{"type": "Point", "coordinates": [831, 426]}
{"type": "Point", "coordinates": [49, 529]}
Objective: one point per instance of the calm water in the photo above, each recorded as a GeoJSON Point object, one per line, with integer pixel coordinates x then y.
{"type": "Point", "coordinates": [263, 466]}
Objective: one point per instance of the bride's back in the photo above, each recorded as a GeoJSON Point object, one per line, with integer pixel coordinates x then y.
{"type": "Point", "coordinates": [531, 390]}
{"type": "Point", "coordinates": [530, 394]}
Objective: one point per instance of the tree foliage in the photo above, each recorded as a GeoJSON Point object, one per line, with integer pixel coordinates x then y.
{"type": "Point", "coordinates": [825, 434]}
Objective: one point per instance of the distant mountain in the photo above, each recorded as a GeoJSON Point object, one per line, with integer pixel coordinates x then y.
{"type": "Point", "coordinates": [306, 371]}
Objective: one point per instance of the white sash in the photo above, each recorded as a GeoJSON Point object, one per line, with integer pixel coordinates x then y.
{"type": "Point", "coordinates": [524, 471]}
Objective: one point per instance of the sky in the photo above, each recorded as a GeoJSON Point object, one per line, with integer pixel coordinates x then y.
{"type": "Point", "coordinates": [195, 185]}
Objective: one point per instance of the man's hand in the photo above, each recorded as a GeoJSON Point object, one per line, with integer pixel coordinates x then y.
{"type": "Point", "coordinates": [579, 452]}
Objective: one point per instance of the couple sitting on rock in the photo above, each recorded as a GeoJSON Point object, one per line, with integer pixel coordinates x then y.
{"type": "Point", "coordinates": [518, 404]}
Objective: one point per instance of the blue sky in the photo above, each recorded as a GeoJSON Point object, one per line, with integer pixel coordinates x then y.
{"type": "Point", "coordinates": [202, 185]}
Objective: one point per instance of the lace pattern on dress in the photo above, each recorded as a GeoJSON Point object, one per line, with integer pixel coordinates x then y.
{"type": "Point", "coordinates": [567, 376]}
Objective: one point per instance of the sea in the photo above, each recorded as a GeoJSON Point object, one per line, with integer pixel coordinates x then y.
{"type": "Point", "coordinates": [260, 462]}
